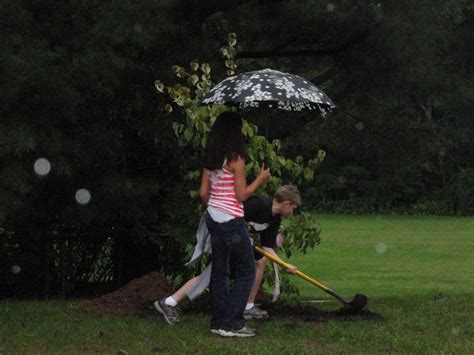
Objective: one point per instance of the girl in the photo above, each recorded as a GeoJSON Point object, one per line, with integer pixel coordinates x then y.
{"type": "Point", "coordinates": [223, 189]}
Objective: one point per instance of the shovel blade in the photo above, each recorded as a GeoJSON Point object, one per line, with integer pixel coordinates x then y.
{"type": "Point", "coordinates": [357, 304]}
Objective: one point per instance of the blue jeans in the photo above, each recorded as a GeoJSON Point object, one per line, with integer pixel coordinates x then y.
{"type": "Point", "coordinates": [231, 248]}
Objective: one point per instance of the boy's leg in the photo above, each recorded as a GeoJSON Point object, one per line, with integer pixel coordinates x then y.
{"type": "Point", "coordinates": [167, 305]}
{"type": "Point", "coordinates": [251, 310]}
{"type": "Point", "coordinates": [181, 293]}
{"type": "Point", "coordinates": [260, 269]}
{"type": "Point", "coordinates": [193, 288]}
{"type": "Point", "coordinates": [203, 281]}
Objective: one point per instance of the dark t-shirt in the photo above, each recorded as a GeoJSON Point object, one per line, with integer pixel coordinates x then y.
{"type": "Point", "coordinates": [258, 214]}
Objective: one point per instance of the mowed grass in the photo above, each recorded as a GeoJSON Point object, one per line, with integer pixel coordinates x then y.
{"type": "Point", "coordinates": [418, 273]}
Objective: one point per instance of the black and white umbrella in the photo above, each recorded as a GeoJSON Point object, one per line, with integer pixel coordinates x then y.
{"type": "Point", "coordinates": [269, 88]}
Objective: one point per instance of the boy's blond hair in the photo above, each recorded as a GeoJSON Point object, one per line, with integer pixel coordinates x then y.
{"type": "Point", "coordinates": [288, 193]}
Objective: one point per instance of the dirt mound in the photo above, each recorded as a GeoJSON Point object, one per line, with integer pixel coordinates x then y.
{"type": "Point", "coordinates": [135, 298]}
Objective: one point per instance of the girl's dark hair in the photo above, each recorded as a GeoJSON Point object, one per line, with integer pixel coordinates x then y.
{"type": "Point", "coordinates": [225, 141]}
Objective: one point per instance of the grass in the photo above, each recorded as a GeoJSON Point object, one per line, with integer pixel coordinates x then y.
{"type": "Point", "coordinates": [416, 271]}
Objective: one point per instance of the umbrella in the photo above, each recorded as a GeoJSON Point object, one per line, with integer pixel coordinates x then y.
{"type": "Point", "coordinates": [269, 88]}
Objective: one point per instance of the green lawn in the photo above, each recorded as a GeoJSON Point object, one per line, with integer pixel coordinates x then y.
{"type": "Point", "coordinates": [418, 273]}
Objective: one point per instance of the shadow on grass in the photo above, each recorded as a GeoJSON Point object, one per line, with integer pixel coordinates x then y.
{"type": "Point", "coordinates": [306, 313]}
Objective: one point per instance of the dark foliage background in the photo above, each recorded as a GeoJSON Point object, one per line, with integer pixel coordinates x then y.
{"type": "Point", "coordinates": [77, 89]}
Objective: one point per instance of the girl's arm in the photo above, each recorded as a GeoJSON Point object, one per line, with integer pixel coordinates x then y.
{"type": "Point", "coordinates": [205, 188]}
{"type": "Point", "coordinates": [242, 190]}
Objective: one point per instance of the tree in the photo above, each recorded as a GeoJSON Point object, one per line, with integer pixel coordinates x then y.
{"type": "Point", "coordinates": [197, 123]}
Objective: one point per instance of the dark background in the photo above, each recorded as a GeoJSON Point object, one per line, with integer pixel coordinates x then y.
{"type": "Point", "coordinates": [77, 88]}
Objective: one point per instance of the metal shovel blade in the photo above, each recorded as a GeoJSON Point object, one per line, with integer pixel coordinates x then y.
{"type": "Point", "coordinates": [357, 304]}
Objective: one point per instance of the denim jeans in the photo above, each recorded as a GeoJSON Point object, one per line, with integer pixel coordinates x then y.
{"type": "Point", "coordinates": [231, 248]}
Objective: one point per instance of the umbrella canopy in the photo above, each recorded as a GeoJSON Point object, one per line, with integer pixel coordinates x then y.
{"type": "Point", "coordinates": [269, 88]}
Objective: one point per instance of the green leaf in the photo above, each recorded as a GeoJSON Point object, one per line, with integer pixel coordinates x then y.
{"type": "Point", "coordinates": [188, 134]}
{"type": "Point", "coordinates": [308, 174]}
{"type": "Point", "coordinates": [194, 65]}
{"type": "Point", "coordinates": [159, 86]}
{"type": "Point", "coordinates": [177, 128]}
{"type": "Point", "coordinates": [193, 79]}
{"type": "Point", "coordinates": [206, 69]}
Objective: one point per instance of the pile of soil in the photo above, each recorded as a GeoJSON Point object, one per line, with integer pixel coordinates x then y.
{"type": "Point", "coordinates": [135, 298]}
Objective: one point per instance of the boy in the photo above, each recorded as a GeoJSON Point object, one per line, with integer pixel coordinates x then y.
{"type": "Point", "coordinates": [263, 215]}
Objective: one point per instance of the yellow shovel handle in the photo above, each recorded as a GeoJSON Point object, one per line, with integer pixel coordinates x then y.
{"type": "Point", "coordinates": [285, 265]}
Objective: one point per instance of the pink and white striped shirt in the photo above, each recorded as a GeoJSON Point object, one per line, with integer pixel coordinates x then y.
{"type": "Point", "coordinates": [222, 195]}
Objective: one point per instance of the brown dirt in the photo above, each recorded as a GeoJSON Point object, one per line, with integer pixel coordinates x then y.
{"type": "Point", "coordinates": [135, 298]}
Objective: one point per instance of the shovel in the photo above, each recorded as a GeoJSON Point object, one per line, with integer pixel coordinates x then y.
{"type": "Point", "coordinates": [355, 305]}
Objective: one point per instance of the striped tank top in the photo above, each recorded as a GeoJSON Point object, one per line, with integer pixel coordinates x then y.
{"type": "Point", "coordinates": [222, 195]}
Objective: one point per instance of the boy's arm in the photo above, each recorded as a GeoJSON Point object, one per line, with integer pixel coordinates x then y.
{"type": "Point", "coordinates": [291, 268]}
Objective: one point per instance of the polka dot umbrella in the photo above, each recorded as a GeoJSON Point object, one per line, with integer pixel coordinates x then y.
{"type": "Point", "coordinates": [269, 88]}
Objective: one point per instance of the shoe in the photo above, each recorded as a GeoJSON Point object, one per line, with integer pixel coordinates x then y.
{"type": "Point", "coordinates": [243, 332]}
{"type": "Point", "coordinates": [255, 313]}
{"type": "Point", "coordinates": [215, 331]}
{"type": "Point", "coordinates": [169, 313]}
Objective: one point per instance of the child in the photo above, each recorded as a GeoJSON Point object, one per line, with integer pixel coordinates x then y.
{"type": "Point", "coordinates": [223, 189]}
{"type": "Point", "coordinates": [263, 215]}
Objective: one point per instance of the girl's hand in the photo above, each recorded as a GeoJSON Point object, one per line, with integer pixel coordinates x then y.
{"type": "Point", "coordinates": [264, 174]}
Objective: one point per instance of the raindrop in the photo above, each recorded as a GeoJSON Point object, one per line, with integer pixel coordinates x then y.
{"type": "Point", "coordinates": [138, 28]}
{"type": "Point", "coordinates": [360, 126]}
{"type": "Point", "coordinates": [342, 179]}
{"type": "Point", "coordinates": [83, 196]}
{"type": "Point", "coordinates": [129, 185]}
{"type": "Point", "coordinates": [330, 7]}
{"type": "Point", "coordinates": [42, 166]}
{"type": "Point", "coordinates": [16, 269]}
{"type": "Point", "coordinates": [381, 248]}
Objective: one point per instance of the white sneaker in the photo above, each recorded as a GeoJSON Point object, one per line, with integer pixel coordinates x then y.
{"type": "Point", "coordinates": [243, 332]}
{"type": "Point", "coordinates": [255, 313]}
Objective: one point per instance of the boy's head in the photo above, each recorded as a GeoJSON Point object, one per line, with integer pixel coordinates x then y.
{"type": "Point", "coordinates": [286, 199]}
